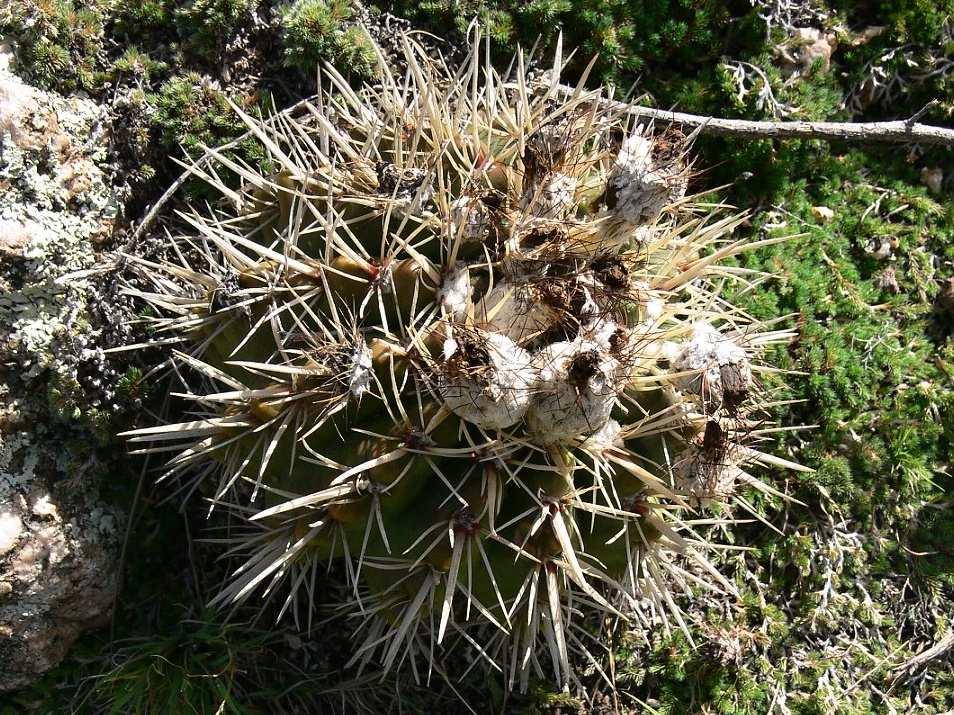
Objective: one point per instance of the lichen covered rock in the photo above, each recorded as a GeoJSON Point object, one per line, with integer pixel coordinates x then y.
{"type": "Point", "coordinates": [55, 204]}
{"type": "Point", "coordinates": [58, 542]}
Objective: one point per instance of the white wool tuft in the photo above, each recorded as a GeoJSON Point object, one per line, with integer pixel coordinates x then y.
{"type": "Point", "coordinates": [359, 380]}
{"type": "Point", "coordinates": [515, 315]}
{"type": "Point", "coordinates": [604, 438]}
{"type": "Point", "coordinates": [601, 331]}
{"type": "Point", "coordinates": [500, 396]}
{"type": "Point", "coordinates": [470, 216]}
{"type": "Point", "coordinates": [552, 200]}
{"type": "Point", "coordinates": [562, 411]}
{"type": "Point", "coordinates": [643, 188]}
{"type": "Point", "coordinates": [706, 476]}
{"type": "Point", "coordinates": [710, 355]}
{"type": "Point", "coordinates": [655, 307]}
{"type": "Point", "coordinates": [456, 292]}
{"type": "Point", "coordinates": [635, 154]}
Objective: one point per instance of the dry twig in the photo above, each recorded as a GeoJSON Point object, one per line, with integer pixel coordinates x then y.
{"type": "Point", "coordinates": [938, 649]}
{"type": "Point", "coordinates": [900, 130]}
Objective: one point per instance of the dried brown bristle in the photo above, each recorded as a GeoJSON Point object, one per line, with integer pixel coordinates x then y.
{"type": "Point", "coordinates": [611, 271]}
{"type": "Point", "coordinates": [583, 367]}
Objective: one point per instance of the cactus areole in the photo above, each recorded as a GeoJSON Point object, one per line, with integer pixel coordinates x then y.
{"type": "Point", "coordinates": [463, 338]}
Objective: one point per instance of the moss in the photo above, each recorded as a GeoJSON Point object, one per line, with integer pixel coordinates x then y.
{"type": "Point", "coordinates": [932, 538]}
{"type": "Point", "coordinates": [545, 701]}
{"type": "Point", "coordinates": [59, 42]}
{"type": "Point", "coordinates": [628, 37]}
{"type": "Point", "coordinates": [206, 25]}
{"type": "Point", "coordinates": [190, 113]}
{"type": "Point", "coordinates": [922, 28]}
{"type": "Point", "coordinates": [915, 21]}
{"type": "Point", "coordinates": [871, 380]}
{"type": "Point", "coordinates": [138, 19]}
{"type": "Point", "coordinates": [196, 30]}
{"type": "Point", "coordinates": [130, 385]}
{"type": "Point", "coordinates": [134, 65]}
{"type": "Point", "coordinates": [316, 31]}
{"type": "Point", "coordinates": [833, 475]}
{"type": "Point", "coordinates": [870, 373]}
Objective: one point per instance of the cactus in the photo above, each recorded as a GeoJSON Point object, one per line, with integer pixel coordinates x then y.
{"type": "Point", "coordinates": [464, 339]}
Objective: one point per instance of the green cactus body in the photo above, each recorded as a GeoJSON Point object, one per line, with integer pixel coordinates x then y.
{"type": "Point", "coordinates": [461, 342]}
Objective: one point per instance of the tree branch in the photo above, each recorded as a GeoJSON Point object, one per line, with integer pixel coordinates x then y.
{"type": "Point", "coordinates": [899, 131]}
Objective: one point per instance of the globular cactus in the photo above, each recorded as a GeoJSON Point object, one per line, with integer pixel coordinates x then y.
{"type": "Point", "coordinates": [464, 337]}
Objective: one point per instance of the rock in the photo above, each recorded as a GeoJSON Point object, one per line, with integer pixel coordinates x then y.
{"type": "Point", "coordinates": [58, 560]}
{"type": "Point", "coordinates": [822, 214]}
{"type": "Point", "coordinates": [806, 46]}
{"type": "Point", "coordinates": [933, 178]}
{"type": "Point", "coordinates": [866, 35]}
{"type": "Point", "coordinates": [16, 98]}
{"type": "Point", "coordinates": [43, 507]}
{"type": "Point", "coordinates": [55, 203]}
{"type": "Point", "coordinates": [11, 527]}
{"type": "Point", "coordinates": [14, 237]}
{"type": "Point", "coordinates": [814, 45]}
{"type": "Point", "coordinates": [59, 544]}
{"type": "Point", "coordinates": [882, 251]}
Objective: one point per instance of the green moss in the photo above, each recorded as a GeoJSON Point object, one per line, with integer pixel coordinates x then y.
{"type": "Point", "coordinates": [206, 25]}
{"type": "Point", "coordinates": [130, 385]}
{"type": "Point", "coordinates": [834, 476]}
{"type": "Point", "coordinates": [545, 701]}
{"type": "Point", "coordinates": [923, 29]}
{"type": "Point", "coordinates": [917, 21]}
{"type": "Point", "coordinates": [869, 376]}
{"type": "Point", "coordinates": [59, 42]}
{"type": "Point", "coordinates": [628, 36]}
{"type": "Point", "coordinates": [190, 113]}
{"type": "Point", "coordinates": [134, 65]}
{"type": "Point", "coordinates": [315, 31]}
{"type": "Point", "coordinates": [137, 19]}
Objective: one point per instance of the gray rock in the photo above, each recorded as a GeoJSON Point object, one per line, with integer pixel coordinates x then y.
{"type": "Point", "coordinates": [804, 47]}
{"type": "Point", "coordinates": [58, 559]}
{"type": "Point", "coordinates": [933, 178]}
